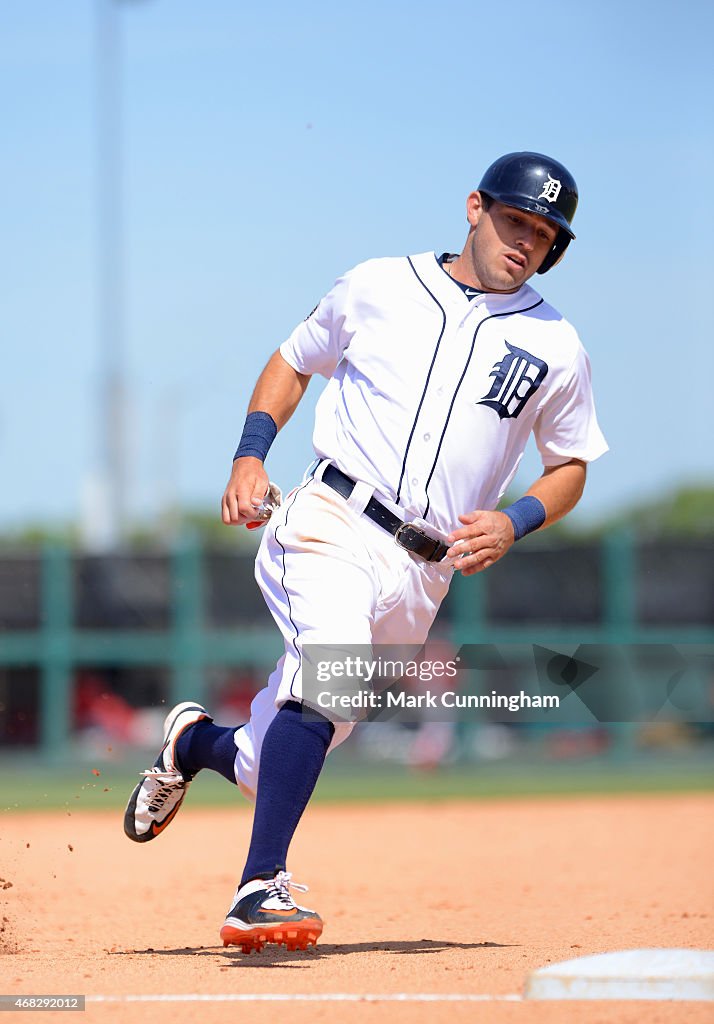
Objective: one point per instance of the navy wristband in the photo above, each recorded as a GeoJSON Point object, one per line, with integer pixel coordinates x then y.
{"type": "Point", "coordinates": [259, 432]}
{"type": "Point", "coordinates": [526, 514]}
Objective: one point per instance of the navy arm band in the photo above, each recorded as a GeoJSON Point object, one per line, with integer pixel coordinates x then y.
{"type": "Point", "coordinates": [526, 514]}
{"type": "Point", "coordinates": [259, 432]}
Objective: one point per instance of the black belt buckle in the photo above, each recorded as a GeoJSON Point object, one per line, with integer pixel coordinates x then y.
{"type": "Point", "coordinates": [414, 539]}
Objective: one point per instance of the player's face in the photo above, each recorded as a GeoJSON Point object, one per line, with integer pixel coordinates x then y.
{"type": "Point", "coordinates": [506, 245]}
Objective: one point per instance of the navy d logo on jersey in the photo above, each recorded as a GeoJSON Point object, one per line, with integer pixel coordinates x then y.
{"type": "Point", "coordinates": [516, 377]}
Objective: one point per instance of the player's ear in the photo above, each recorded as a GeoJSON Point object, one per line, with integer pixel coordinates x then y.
{"type": "Point", "coordinates": [474, 208]}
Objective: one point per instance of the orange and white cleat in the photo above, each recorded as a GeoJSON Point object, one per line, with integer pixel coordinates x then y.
{"type": "Point", "coordinates": [264, 911]}
{"type": "Point", "coordinates": [156, 800]}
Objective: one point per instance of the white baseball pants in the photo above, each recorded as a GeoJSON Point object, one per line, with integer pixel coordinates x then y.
{"type": "Point", "coordinates": [329, 575]}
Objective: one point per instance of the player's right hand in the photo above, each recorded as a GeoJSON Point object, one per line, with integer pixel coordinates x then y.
{"type": "Point", "coordinates": [244, 492]}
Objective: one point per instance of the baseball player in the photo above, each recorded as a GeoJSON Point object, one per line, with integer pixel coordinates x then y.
{"type": "Point", "coordinates": [438, 370]}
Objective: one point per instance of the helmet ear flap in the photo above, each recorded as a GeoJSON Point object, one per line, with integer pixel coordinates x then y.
{"type": "Point", "coordinates": [553, 258]}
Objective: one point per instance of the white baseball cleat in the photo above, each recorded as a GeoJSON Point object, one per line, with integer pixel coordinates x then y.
{"type": "Point", "coordinates": [156, 800]}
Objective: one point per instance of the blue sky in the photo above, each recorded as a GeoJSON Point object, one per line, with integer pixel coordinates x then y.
{"type": "Point", "coordinates": [267, 148]}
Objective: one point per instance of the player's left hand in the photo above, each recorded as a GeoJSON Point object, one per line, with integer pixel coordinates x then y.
{"type": "Point", "coordinates": [482, 540]}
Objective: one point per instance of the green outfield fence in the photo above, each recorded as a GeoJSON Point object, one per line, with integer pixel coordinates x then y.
{"type": "Point", "coordinates": [621, 581]}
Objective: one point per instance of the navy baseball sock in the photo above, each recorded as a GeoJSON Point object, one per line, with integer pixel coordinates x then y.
{"type": "Point", "coordinates": [205, 745]}
{"type": "Point", "coordinates": [291, 759]}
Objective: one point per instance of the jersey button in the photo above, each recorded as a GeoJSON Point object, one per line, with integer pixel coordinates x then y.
{"type": "Point", "coordinates": [414, 481]}
{"type": "Point", "coordinates": [427, 437]}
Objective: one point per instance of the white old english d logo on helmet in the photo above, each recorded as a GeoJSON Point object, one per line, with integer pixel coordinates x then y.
{"type": "Point", "coordinates": [551, 189]}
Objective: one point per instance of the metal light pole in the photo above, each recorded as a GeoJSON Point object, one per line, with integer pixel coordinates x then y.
{"type": "Point", "coordinates": [105, 519]}
{"type": "Point", "coordinates": [111, 506]}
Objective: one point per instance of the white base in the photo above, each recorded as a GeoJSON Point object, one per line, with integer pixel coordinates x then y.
{"type": "Point", "coordinates": [631, 974]}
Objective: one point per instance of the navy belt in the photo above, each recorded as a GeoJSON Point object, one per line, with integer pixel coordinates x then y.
{"type": "Point", "coordinates": [407, 535]}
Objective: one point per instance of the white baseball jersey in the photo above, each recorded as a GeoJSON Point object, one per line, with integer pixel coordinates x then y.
{"type": "Point", "coordinates": [432, 396]}
{"type": "Point", "coordinates": [430, 401]}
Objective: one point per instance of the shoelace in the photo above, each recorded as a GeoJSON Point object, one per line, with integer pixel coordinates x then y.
{"type": "Point", "coordinates": [164, 790]}
{"type": "Point", "coordinates": [280, 887]}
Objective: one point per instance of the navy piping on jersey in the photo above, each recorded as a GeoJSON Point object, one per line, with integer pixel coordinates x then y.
{"type": "Point", "coordinates": [428, 377]}
{"type": "Point", "coordinates": [493, 316]}
{"type": "Point", "coordinates": [282, 584]}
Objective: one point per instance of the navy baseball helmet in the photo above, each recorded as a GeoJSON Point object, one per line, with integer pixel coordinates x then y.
{"type": "Point", "coordinates": [538, 184]}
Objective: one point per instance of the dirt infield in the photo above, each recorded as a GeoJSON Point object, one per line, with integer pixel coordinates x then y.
{"type": "Point", "coordinates": [448, 899]}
